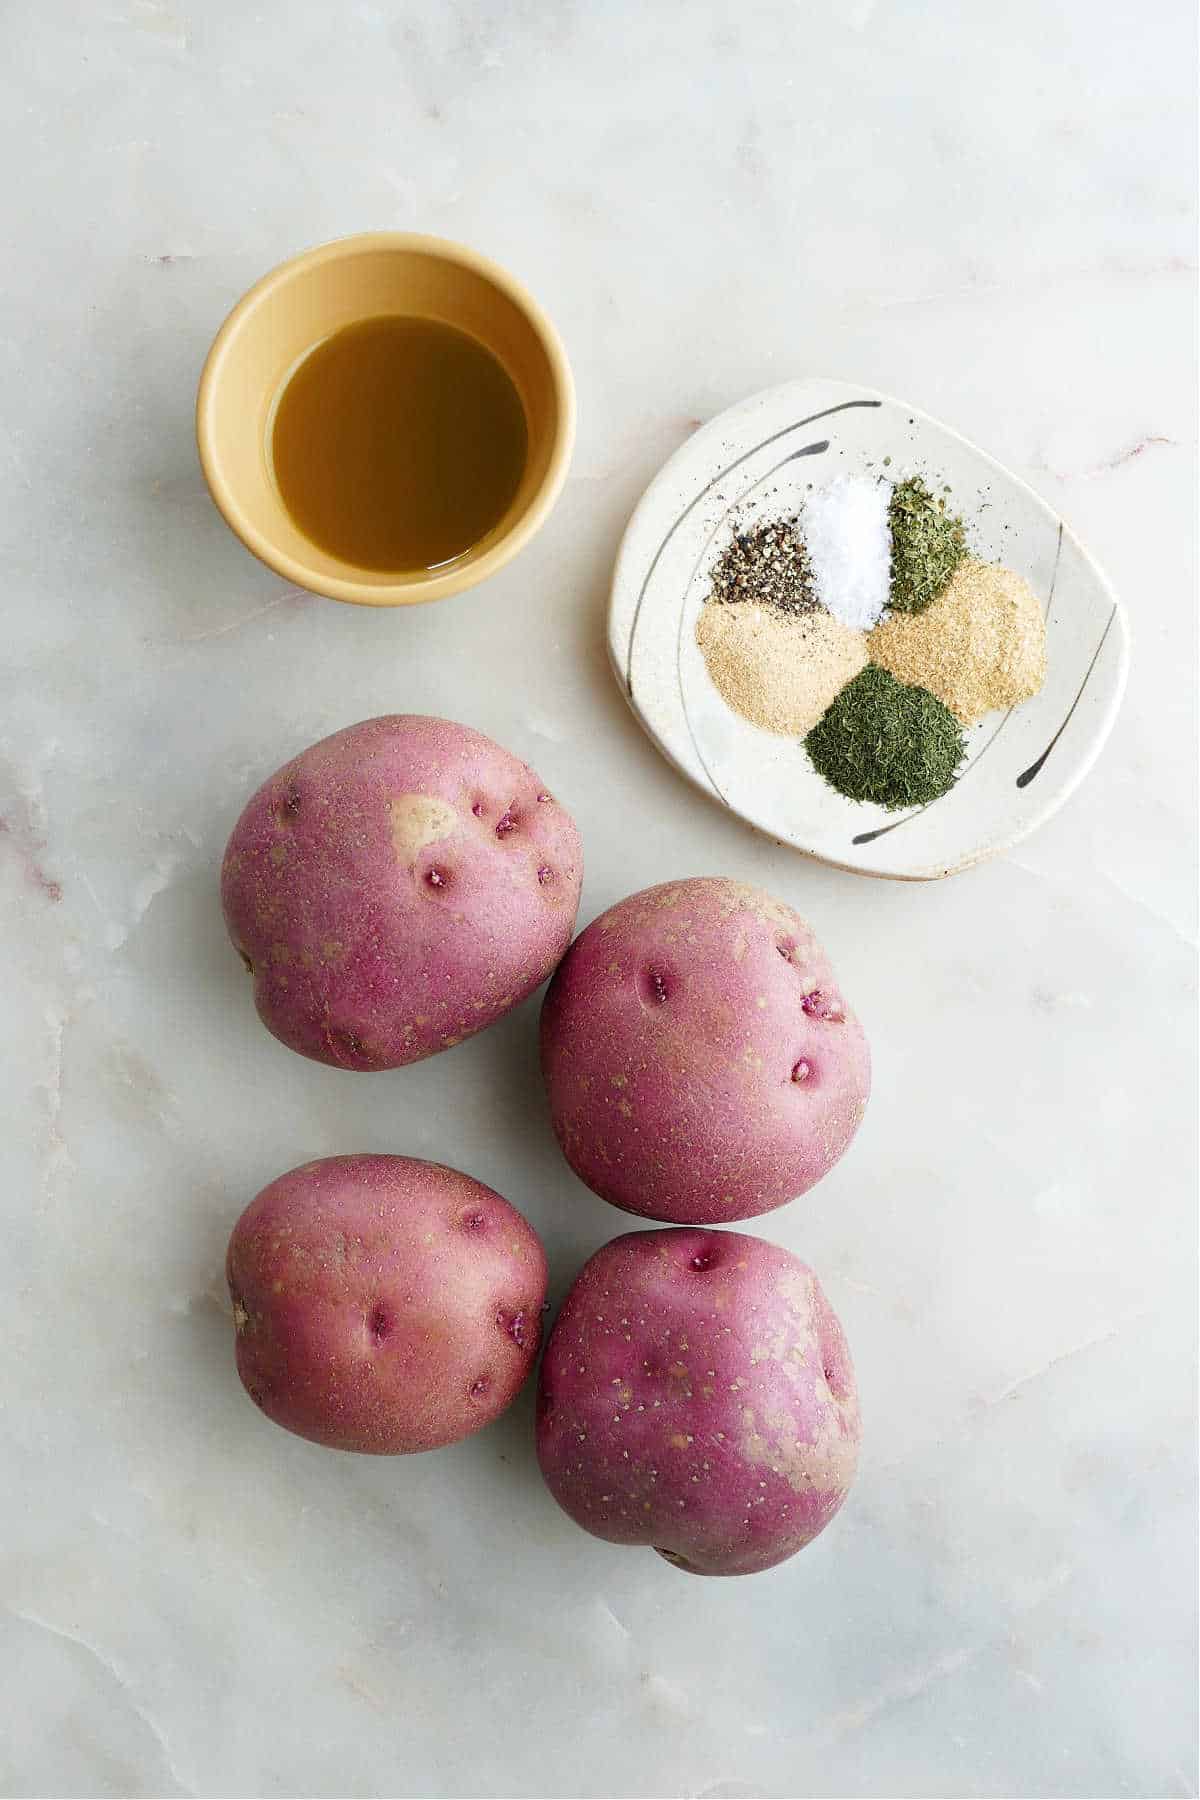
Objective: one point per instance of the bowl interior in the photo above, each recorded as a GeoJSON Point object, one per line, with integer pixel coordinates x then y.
{"type": "Point", "coordinates": [305, 301]}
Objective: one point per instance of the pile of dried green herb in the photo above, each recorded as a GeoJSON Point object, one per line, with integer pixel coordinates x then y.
{"type": "Point", "coordinates": [767, 565]}
{"type": "Point", "coordinates": [928, 543]}
{"type": "Point", "coordinates": [881, 741]}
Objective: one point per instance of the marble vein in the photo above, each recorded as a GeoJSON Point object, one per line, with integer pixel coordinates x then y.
{"type": "Point", "coordinates": [120, 1680]}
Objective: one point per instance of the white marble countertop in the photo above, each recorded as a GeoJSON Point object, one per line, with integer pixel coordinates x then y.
{"type": "Point", "coordinates": [988, 211]}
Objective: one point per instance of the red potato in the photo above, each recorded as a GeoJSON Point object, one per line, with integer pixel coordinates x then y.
{"type": "Point", "coordinates": [697, 1395]}
{"type": "Point", "coordinates": [701, 1062]}
{"type": "Point", "coordinates": [383, 1304]}
{"type": "Point", "coordinates": [396, 888]}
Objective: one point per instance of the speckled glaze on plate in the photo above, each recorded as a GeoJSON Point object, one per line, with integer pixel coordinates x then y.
{"type": "Point", "coordinates": [757, 460]}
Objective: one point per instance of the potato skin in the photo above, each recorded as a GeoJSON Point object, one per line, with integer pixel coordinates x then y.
{"type": "Point", "coordinates": [697, 1395]}
{"type": "Point", "coordinates": [398, 887]}
{"type": "Point", "coordinates": [384, 1304]}
{"type": "Point", "coordinates": [701, 1063]}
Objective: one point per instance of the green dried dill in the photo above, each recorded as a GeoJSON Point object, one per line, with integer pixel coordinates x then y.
{"type": "Point", "coordinates": [881, 741]}
{"type": "Point", "coordinates": [928, 543]}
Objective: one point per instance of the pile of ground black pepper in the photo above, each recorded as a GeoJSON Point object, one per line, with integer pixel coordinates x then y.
{"type": "Point", "coordinates": [767, 565]}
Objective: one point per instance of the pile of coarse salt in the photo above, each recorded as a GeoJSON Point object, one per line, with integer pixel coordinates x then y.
{"type": "Point", "coordinates": [849, 543]}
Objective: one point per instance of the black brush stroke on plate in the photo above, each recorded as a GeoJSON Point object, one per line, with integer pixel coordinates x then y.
{"type": "Point", "coordinates": [1034, 769]}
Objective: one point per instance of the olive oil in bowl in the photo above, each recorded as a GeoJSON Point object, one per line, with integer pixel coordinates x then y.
{"type": "Point", "coordinates": [398, 443]}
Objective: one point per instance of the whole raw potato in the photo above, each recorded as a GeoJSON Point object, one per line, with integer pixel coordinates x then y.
{"type": "Point", "coordinates": [701, 1061]}
{"type": "Point", "coordinates": [396, 888]}
{"type": "Point", "coordinates": [697, 1395]}
{"type": "Point", "coordinates": [384, 1304]}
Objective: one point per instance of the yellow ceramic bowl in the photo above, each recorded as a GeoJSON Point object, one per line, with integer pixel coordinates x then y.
{"type": "Point", "coordinates": [302, 302]}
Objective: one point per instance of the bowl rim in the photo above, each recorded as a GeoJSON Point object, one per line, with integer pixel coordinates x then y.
{"type": "Point", "coordinates": [412, 592]}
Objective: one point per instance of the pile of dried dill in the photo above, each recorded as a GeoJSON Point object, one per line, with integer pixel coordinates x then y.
{"type": "Point", "coordinates": [881, 741]}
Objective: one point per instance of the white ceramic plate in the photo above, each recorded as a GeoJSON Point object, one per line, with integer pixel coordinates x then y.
{"type": "Point", "coordinates": [758, 460]}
